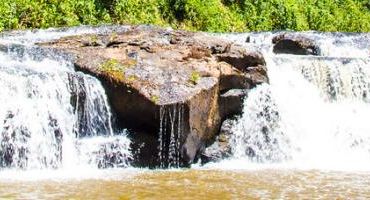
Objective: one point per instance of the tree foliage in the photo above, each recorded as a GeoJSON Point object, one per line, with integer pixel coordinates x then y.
{"type": "Point", "coordinates": [204, 15]}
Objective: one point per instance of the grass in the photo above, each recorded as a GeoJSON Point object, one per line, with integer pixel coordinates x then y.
{"type": "Point", "coordinates": [113, 68]}
{"type": "Point", "coordinates": [117, 69]}
{"type": "Point", "coordinates": [154, 99]}
{"type": "Point", "coordinates": [203, 15]}
{"type": "Point", "coordinates": [131, 78]}
{"type": "Point", "coordinates": [194, 77]}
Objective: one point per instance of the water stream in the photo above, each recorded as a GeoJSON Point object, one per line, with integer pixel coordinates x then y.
{"type": "Point", "coordinates": [51, 115]}
{"type": "Point", "coordinates": [312, 115]}
{"type": "Point", "coordinates": [171, 128]}
{"type": "Point", "coordinates": [303, 135]}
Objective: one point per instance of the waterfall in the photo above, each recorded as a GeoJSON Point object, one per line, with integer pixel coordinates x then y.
{"type": "Point", "coordinates": [51, 116]}
{"type": "Point", "coordinates": [314, 112]}
{"type": "Point", "coordinates": [171, 128]}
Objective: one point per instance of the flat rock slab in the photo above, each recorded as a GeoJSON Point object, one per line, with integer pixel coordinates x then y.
{"type": "Point", "coordinates": [145, 69]}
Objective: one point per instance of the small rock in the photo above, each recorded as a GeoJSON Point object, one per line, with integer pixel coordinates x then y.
{"type": "Point", "coordinates": [221, 148]}
{"type": "Point", "coordinates": [294, 44]}
{"type": "Point", "coordinates": [231, 102]}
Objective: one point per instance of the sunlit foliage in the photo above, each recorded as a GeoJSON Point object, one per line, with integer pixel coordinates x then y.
{"type": "Point", "coordinates": [204, 15]}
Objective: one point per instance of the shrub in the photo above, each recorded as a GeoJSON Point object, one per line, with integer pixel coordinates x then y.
{"type": "Point", "coordinates": [204, 15]}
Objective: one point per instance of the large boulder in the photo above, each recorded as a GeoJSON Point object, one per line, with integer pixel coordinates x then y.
{"type": "Point", "coordinates": [167, 84]}
{"type": "Point", "coordinates": [289, 43]}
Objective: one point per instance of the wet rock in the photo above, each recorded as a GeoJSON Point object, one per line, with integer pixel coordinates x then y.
{"type": "Point", "coordinates": [241, 59]}
{"type": "Point", "coordinates": [144, 149]}
{"type": "Point", "coordinates": [221, 148]}
{"type": "Point", "coordinates": [146, 70]}
{"type": "Point", "coordinates": [294, 44]}
{"type": "Point", "coordinates": [110, 155]}
{"type": "Point", "coordinates": [105, 152]}
{"type": "Point", "coordinates": [13, 148]}
{"type": "Point", "coordinates": [231, 102]}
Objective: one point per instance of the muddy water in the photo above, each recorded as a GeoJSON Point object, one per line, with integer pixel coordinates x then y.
{"type": "Point", "coordinates": [192, 184]}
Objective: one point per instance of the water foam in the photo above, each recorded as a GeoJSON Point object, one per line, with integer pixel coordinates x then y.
{"type": "Point", "coordinates": [312, 115]}
{"type": "Point", "coordinates": [52, 117]}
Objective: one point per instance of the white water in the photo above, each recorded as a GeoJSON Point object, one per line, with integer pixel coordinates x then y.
{"type": "Point", "coordinates": [52, 117]}
{"type": "Point", "coordinates": [314, 113]}
{"type": "Point", "coordinates": [30, 37]}
{"type": "Point", "coordinates": [171, 127]}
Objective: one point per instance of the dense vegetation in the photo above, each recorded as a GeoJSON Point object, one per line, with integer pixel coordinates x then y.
{"type": "Point", "coordinates": [205, 15]}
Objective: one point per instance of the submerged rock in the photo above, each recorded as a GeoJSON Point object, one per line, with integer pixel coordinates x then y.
{"type": "Point", "coordinates": [105, 152]}
{"type": "Point", "coordinates": [294, 44]}
{"type": "Point", "coordinates": [159, 80]}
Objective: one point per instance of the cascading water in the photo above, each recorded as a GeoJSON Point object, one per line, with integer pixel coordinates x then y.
{"type": "Point", "coordinates": [314, 112]}
{"type": "Point", "coordinates": [171, 127]}
{"type": "Point", "coordinates": [51, 116]}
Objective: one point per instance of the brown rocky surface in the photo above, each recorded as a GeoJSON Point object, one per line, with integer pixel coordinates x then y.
{"type": "Point", "coordinates": [147, 69]}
